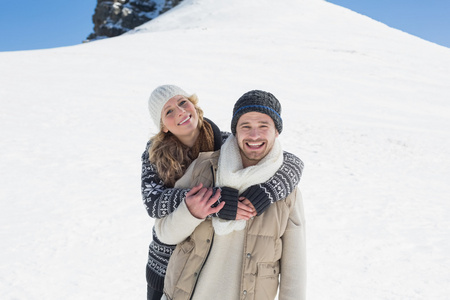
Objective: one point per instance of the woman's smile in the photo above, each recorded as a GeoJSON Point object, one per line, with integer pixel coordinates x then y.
{"type": "Point", "coordinates": [188, 118]}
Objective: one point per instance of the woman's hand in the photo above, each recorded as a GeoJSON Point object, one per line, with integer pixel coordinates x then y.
{"type": "Point", "coordinates": [199, 201]}
{"type": "Point", "coordinates": [245, 210]}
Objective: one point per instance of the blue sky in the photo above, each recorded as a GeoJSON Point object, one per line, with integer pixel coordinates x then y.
{"type": "Point", "coordinates": [31, 24]}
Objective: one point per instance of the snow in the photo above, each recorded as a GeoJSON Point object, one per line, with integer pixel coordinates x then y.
{"type": "Point", "coordinates": [365, 106]}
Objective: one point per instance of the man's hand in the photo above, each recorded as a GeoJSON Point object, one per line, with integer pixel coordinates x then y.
{"type": "Point", "coordinates": [199, 201]}
{"type": "Point", "coordinates": [245, 210]}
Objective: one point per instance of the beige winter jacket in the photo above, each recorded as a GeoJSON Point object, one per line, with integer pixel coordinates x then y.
{"type": "Point", "coordinates": [273, 246]}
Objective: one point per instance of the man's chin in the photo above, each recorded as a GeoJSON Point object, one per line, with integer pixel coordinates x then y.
{"type": "Point", "coordinates": [254, 157]}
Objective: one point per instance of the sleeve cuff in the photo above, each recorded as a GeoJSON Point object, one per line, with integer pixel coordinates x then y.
{"type": "Point", "coordinates": [258, 198]}
{"type": "Point", "coordinates": [230, 196]}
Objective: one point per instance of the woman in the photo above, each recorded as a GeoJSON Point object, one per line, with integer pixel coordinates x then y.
{"type": "Point", "coordinates": [184, 133]}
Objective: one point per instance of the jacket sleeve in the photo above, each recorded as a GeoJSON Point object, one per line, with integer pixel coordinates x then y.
{"type": "Point", "coordinates": [293, 259]}
{"type": "Point", "coordinates": [177, 226]}
{"type": "Point", "coordinates": [159, 200]}
{"type": "Point", "coordinates": [224, 135]}
{"type": "Point", "coordinates": [279, 186]}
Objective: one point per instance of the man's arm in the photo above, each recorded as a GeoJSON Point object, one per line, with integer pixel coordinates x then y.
{"type": "Point", "coordinates": [161, 201]}
{"type": "Point", "coordinates": [177, 226]}
{"type": "Point", "coordinates": [293, 259]}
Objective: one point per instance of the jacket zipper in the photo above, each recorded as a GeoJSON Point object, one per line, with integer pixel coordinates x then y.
{"type": "Point", "coordinates": [203, 264]}
{"type": "Point", "coordinates": [241, 291]}
{"type": "Point", "coordinates": [210, 246]}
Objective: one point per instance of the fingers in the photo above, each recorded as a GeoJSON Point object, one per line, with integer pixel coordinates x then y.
{"type": "Point", "coordinates": [207, 195]}
{"type": "Point", "coordinates": [244, 215]}
{"type": "Point", "coordinates": [199, 201]}
{"type": "Point", "coordinates": [199, 194]}
{"type": "Point", "coordinates": [194, 190]}
{"type": "Point", "coordinates": [246, 205]}
{"type": "Point", "coordinates": [245, 210]}
{"type": "Point", "coordinates": [216, 209]}
{"type": "Point", "coordinates": [214, 198]}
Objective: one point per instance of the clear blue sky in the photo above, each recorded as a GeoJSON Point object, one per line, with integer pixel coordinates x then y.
{"type": "Point", "coordinates": [39, 24]}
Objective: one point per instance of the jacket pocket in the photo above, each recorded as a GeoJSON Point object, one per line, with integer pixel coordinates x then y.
{"type": "Point", "coordinates": [268, 269]}
{"type": "Point", "coordinates": [187, 246]}
{"type": "Point", "coordinates": [177, 264]}
{"type": "Point", "coordinates": [267, 275]}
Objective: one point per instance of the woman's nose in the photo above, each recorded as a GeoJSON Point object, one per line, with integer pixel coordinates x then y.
{"type": "Point", "coordinates": [180, 110]}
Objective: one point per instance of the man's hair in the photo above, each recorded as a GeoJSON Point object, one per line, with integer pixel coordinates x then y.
{"type": "Point", "coordinates": [257, 101]}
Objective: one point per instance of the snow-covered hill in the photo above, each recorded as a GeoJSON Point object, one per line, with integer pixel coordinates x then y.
{"type": "Point", "coordinates": [365, 106]}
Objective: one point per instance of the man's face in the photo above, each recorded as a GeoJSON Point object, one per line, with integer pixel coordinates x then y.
{"type": "Point", "coordinates": [255, 134]}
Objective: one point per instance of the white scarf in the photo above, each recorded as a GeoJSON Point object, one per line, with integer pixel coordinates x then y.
{"type": "Point", "coordinates": [232, 174]}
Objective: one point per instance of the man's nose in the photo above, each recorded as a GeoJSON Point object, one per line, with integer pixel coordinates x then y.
{"type": "Point", "coordinates": [254, 133]}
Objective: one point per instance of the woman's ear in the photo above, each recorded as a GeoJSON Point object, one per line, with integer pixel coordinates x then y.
{"type": "Point", "coordinates": [164, 129]}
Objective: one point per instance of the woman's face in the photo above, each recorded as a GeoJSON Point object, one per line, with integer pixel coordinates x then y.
{"type": "Point", "coordinates": [180, 117]}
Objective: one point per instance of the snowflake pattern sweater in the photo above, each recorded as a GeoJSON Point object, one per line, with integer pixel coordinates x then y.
{"type": "Point", "coordinates": [160, 201]}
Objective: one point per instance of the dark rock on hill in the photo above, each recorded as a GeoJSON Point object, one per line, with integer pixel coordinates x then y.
{"type": "Point", "coordinates": [114, 17]}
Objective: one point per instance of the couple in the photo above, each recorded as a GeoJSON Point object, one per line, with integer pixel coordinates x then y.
{"type": "Point", "coordinates": [231, 221]}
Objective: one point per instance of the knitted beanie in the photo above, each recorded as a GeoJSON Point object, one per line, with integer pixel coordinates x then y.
{"type": "Point", "coordinates": [258, 101]}
{"type": "Point", "coordinates": [159, 97]}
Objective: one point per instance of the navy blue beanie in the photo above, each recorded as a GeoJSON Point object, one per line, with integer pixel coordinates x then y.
{"type": "Point", "coordinates": [258, 101]}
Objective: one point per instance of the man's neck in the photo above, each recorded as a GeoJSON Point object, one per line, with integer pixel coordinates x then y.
{"type": "Point", "coordinates": [246, 162]}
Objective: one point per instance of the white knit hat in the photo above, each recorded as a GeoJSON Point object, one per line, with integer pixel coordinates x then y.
{"type": "Point", "coordinates": [159, 97]}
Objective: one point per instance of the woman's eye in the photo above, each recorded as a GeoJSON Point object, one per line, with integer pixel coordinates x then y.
{"type": "Point", "coordinates": [182, 102]}
{"type": "Point", "coordinates": [168, 112]}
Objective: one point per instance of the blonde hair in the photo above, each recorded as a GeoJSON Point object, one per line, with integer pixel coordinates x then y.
{"type": "Point", "coordinates": [170, 156]}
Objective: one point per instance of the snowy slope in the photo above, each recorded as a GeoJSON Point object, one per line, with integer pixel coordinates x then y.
{"type": "Point", "coordinates": [365, 106]}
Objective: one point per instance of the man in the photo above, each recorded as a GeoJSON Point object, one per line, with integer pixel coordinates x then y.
{"type": "Point", "coordinates": [228, 260]}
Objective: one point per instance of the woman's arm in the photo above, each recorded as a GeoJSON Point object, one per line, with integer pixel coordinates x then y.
{"type": "Point", "coordinates": [161, 201]}
{"type": "Point", "coordinates": [158, 199]}
{"type": "Point", "coordinates": [279, 186]}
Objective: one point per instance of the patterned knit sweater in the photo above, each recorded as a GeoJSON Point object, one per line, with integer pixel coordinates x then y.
{"type": "Point", "coordinates": [160, 201]}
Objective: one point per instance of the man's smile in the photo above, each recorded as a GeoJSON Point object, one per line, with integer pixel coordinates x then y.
{"type": "Point", "coordinates": [255, 145]}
